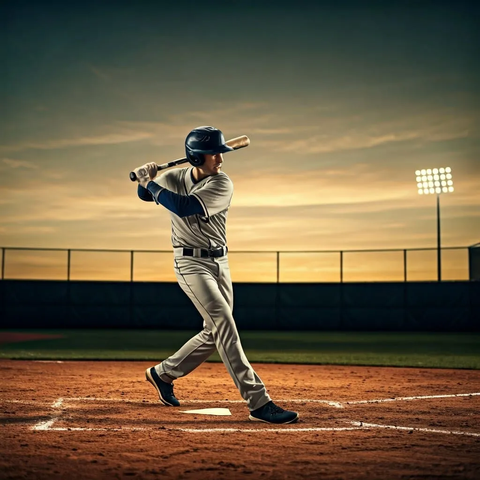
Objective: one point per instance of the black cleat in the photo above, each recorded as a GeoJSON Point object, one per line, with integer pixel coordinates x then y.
{"type": "Point", "coordinates": [164, 389]}
{"type": "Point", "coordinates": [271, 413]}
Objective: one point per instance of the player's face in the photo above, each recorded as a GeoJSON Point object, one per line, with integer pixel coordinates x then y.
{"type": "Point", "coordinates": [213, 164]}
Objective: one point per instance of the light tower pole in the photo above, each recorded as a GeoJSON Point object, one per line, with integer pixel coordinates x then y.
{"type": "Point", "coordinates": [435, 181]}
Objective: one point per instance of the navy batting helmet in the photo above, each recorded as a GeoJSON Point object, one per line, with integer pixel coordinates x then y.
{"type": "Point", "coordinates": [204, 140]}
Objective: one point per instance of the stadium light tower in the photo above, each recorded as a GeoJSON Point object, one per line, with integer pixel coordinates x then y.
{"type": "Point", "coordinates": [435, 181]}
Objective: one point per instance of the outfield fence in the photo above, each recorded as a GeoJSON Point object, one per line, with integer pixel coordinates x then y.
{"type": "Point", "coordinates": [329, 266]}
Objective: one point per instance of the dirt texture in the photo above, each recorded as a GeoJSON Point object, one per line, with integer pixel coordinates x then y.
{"type": "Point", "coordinates": [102, 420]}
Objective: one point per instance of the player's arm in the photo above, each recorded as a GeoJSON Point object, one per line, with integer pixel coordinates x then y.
{"type": "Point", "coordinates": [149, 190]}
{"type": "Point", "coordinates": [144, 194]}
{"type": "Point", "coordinates": [181, 205]}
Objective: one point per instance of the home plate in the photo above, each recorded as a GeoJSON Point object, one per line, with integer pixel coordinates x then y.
{"type": "Point", "coordinates": [210, 411]}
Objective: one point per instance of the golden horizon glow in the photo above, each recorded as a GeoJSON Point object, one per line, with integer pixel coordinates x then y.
{"type": "Point", "coordinates": [336, 127]}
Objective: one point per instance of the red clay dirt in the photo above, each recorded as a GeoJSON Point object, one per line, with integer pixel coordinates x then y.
{"type": "Point", "coordinates": [102, 420]}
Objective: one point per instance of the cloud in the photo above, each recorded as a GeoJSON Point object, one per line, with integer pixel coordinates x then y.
{"type": "Point", "coordinates": [12, 163]}
{"type": "Point", "coordinates": [306, 129]}
{"type": "Point", "coordinates": [108, 135]}
{"type": "Point", "coordinates": [363, 135]}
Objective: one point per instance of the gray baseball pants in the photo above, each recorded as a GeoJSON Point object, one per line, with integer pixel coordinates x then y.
{"type": "Point", "coordinates": [207, 283]}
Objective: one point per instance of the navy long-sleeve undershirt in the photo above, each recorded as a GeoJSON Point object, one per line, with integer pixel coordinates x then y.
{"type": "Point", "coordinates": [181, 205]}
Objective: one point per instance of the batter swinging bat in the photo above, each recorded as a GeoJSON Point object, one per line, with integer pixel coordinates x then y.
{"type": "Point", "coordinates": [235, 143]}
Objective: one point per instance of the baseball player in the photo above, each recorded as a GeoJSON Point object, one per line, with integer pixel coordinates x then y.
{"type": "Point", "coordinates": [198, 198]}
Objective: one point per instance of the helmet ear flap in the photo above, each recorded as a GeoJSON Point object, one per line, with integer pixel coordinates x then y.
{"type": "Point", "coordinates": [195, 159]}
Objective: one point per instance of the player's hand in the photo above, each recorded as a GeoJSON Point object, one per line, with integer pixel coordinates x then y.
{"type": "Point", "coordinates": [152, 169]}
{"type": "Point", "coordinates": [143, 176]}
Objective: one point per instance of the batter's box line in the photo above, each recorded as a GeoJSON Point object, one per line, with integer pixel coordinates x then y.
{"type": "Point", "coordinates": [415, 429]}
{"type": "Point", "coordinates": [280, 429]}
{"type": "Point", "coordinates": [335, 404]}
{"type": "Point", "coordinates": [331, 403]}
{"type": "Point", "coordinates": [406, 399]}
{"type": "Point", "coordinates": [47, 424]}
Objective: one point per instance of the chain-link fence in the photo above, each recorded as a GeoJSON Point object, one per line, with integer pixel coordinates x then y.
{"type": "Point", "coordinates": [388, 265]}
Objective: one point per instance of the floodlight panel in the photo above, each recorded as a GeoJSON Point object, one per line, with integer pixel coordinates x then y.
{"type": "Point", "coordinates": [434, 180]}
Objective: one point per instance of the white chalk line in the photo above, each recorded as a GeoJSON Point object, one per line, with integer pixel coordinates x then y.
{"type": "Point", "coordinates": [208, 430]}
{"type": "Point", "coordinates": [47, 424]}
{"type": "Point", "coordinates": [47, 361]}
{"type": "Point", "coordinates": [331, 403]}
{"type": "Point", "coordinates": [416, 429]}
{"type": "Point", "coordinates": [280, 429]}
{"type": "Point", "coordinates": [23, 402]}
{"type": "Point", "coordinates": [421, 397]}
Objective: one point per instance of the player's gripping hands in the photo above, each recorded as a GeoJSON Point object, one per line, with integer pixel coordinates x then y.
{"type": "Point", "coordinates": [146, 173]}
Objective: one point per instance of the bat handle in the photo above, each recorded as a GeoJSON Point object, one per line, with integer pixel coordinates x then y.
{"type": "Point", "coordinates": [133, 176]}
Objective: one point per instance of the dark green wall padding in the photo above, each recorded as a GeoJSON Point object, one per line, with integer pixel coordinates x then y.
{"type": "Point", "coordinates": [395, 306]}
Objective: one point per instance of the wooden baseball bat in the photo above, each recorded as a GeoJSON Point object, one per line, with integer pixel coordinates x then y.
{"type": "Point", "coordinates": [235, 143]}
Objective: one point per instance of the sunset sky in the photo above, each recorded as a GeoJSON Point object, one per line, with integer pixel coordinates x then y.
{"type": "Point", "coordinates": [342, 101]}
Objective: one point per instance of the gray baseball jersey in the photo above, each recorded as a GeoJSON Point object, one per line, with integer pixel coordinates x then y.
{"type": "Point", "coordinates": [207, 282]}
{"type": "Point", "coordinates": [215, 194]}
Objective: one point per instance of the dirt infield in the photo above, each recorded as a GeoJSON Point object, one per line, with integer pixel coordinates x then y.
{"type": "Point", "coordinates": [102, 420]}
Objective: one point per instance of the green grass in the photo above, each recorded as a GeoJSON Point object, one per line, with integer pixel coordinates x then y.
{"type": "Point", "coordinates": [439, 350]}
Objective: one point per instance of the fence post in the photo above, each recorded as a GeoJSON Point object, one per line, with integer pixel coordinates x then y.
{"type": "Point", "coordinates": [130, 293]}
{"type": "Point", "coordinates": [278, 267]}
{"type": "Point", "coordinates": [341, 266]}
{"type": "Point", "coordinates": [131, 265]}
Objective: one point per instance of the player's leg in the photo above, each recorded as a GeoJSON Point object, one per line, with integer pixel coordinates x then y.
{"type": "Point", "coordinates": [226, 289]}
{"type": "Point", "coordinates": [268, 413]}
{"type": "Point", "coordinates": [225, 281]}
{"type": "Point", "coordinates": [191, 355]}
{"type": "Point", "coordinates": [200, 281]}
